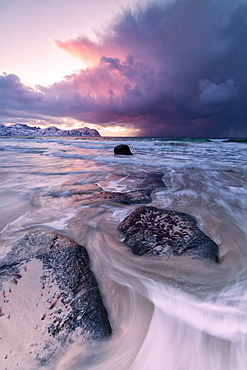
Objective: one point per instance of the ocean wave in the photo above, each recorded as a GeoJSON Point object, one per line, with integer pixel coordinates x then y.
{"type": "Point", "coordinates": [235, 141]}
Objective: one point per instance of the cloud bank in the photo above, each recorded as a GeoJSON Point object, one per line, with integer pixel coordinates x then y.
{"type": "Point", "coordinates": [175, 69]}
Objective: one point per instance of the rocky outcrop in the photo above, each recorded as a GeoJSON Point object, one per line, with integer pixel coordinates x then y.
{"type": "Point", "coordinates": [158, 232]}
{"type": "Point", "coordinates": [46, 278]}
{"type": "Point", "coordinates": [122, 149]}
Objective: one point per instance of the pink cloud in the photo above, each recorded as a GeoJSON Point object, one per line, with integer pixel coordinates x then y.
{"type": "Point", "coordinates": [82, 48]}
{"type": "Point", "coordinates": [90, 52]}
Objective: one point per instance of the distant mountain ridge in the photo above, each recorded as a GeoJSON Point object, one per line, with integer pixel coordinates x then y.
{"type": "Point", "coordinates": [20, 129]}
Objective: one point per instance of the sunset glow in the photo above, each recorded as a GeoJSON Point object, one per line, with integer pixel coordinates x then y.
{"type": "Point", "coordinates": [149, 70]}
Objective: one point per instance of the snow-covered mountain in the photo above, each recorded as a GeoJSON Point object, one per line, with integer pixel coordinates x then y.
{"type": "Point", "coordinates": [20, 129]}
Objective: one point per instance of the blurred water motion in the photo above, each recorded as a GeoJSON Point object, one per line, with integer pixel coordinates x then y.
{"type": "Point", "coordinates": [166, 314]}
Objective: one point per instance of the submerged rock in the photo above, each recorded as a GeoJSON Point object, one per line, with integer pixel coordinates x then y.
{"type": "Point", "coordinates": [129, 197]}
{"type": "Point", "coordinates": [145, 183]}
{"type": "Point", "coordinates": [158, 232]}
{"type": "Point", "coordinates": [49, 292]}
{"type": "Point", "coordinates": [122, 149]}
{"type": "Point", "coordinates": [149, 180]}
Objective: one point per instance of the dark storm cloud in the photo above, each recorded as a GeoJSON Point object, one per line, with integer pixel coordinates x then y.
{"type": "Point", "coordinates": [176, 69]}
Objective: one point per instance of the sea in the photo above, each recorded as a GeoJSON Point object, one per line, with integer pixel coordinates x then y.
{"type": "Point", "coordinates": [172, 313]}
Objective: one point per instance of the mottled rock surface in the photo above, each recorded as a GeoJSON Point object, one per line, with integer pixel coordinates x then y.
{"type": "Point", "coordinates": [158, 232]}
{"type": "Point", "coordinates": [122, 149]}
{"type": "Point", "coordinates": [47, 280]}
{"type": "Point", "coordinates": [130, 197]}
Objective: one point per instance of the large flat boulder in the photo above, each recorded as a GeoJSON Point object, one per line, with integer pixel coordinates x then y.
{"type": "Point", "coordinates": [152, 231]}
{"type": "Point", "coordinates": [49, 294]}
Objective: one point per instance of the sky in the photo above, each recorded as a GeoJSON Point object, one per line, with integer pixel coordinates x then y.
{"type": "Point", "coordinates": [171, 68]}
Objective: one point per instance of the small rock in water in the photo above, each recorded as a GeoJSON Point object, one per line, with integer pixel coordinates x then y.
{"type": "Point", "coordinates": [159, 232]}
{"type": "Point", "coordinates": [122, 149]}
{"type": "Point", "coordinates": [49, 292]}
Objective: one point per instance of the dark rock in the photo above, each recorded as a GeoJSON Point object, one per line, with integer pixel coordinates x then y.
{"type": "Point", "coordinates": [66, 293]}
{"type": "Point", "coordinates": [158, 232]}
{"type": "Point", "coordinates": [130, 197]}
{"type": "Point", "coordinates": [122, 149]}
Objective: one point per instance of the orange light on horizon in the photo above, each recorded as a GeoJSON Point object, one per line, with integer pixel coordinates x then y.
{"type": "Point", "coordinates": [118, 131]}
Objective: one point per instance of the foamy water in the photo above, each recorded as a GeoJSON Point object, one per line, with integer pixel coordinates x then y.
{"type": "Point", "coordinates": [169, 314]}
